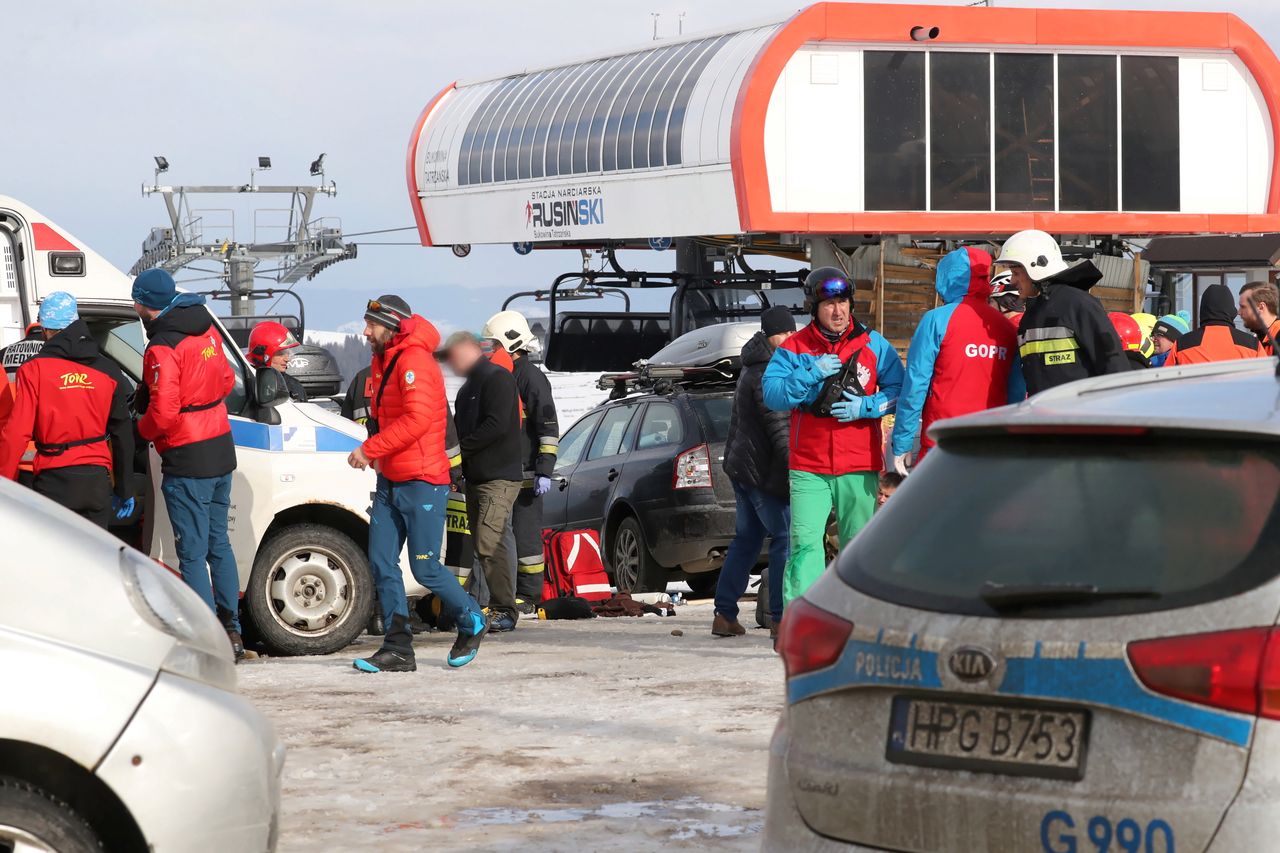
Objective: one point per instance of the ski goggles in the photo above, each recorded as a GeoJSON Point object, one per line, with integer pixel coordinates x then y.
{"type": "Point", "coordinates": [833, 288]}
{"type": "Point", "coordinates": [378, 307]}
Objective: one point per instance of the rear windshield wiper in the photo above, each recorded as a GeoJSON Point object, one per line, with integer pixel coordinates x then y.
{"type": "Point", "coordinates": [1001, 596]}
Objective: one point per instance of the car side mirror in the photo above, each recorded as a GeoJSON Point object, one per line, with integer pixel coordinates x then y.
{"type": "Point", "coordinates": [269, 388]}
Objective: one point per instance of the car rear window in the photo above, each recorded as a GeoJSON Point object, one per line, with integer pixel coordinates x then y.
{"type": "Point", "coordinates": [714, 413]}
{"type": "Point", "coordinates": [1128, 525]}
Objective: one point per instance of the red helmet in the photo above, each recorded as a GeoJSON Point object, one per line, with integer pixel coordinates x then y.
{"type": "Point", "coordinates": [266, 340]}
{"type": "Point", "coordinates": [1128, 329]}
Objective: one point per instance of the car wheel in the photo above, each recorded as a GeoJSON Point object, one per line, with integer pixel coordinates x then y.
{"type": "Point", "coordinates": [311, 592]}
{"type": "Point", "coordinates": [634, 569]}
{"type": "Point", "coordinates": [703, 584]}
{"type": "Point", "coordinates": [32, 821]}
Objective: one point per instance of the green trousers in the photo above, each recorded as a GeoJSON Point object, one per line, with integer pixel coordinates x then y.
{"type": "Point", "coordinates": [813, 496]}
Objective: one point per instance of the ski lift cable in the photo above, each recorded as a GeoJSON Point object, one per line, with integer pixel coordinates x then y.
{"type": "Point", "coordinates": [381, 231]}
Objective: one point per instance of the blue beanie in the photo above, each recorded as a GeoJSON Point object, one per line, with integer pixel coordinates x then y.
{"type": "Point", "coordinates": [1172, 326]}
{"type": "Point", "coordinates": [58, 310]}
{"type": "Point", "coordinates": [154, 288]}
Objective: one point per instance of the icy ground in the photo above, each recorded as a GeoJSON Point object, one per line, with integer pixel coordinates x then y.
{"type": "Point", "coordinates": [595, 735]}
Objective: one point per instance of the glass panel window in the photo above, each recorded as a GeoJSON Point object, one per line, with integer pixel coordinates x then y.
{"type": "Point", "coordinates": [960, 126]}
{"type": "Point", "coordinates": [473, 140]}
{"type": "Point", "coordinates": [1087, 153]}
{"type": "Point", "coordinates": [676, 120]}
{"type": "Point", "coordinates": [608, 439]}
{"type": "Point", "coordinates": [500, 129]}
{"type": "Point", "coordinates": [649, 105]}
{"type": "Point", "coordinates": [586, 146]}
{"type": "Point", "coordinates": [894, 142]}
{"type": "Point", "coordinates": [1150, 132]}
{"type": "Point", "coordinates": [574, 441]}
{"type": "Point", "coordinates": [546, 160]}
{"type": "Point", "coordinates": [505, 155]}
{"type": "Point", "coordinates": [535, 125]}
{"type": "Point", "coordinates": [661, 426]}
{"type": "Point", "coordinates": [578, 122]}
{"type": "Point", "coordinates": [616, 149]}
{"type": "Point", "coordinates": [1024, 131]}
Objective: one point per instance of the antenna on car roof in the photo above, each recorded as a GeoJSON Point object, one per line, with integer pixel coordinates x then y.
{"type": "Point", "coordinates": [1253, 306]}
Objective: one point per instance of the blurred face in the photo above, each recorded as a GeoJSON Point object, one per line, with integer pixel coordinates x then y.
{"type": "Point", "coordinates": [280, 361]}
{"type": "Point", "coordinates": [144, 313]}
{"type": "Point", "coordinates": [1162, 343]}
{"type": "Point", "coordinates": [377, 335]}
{"type": "Point", "coordinates": [1026, 287]}
{"type": "Point", "coordinates": [462, 357]}
{"type": "Point", "coordinates": [835, 315]}
{"type": "Point", "coordinates": [884, 493]}
{"type": "Point", "coordinates": [779, 339]}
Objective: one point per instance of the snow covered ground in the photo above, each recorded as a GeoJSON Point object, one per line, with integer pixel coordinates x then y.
{"type": "Point", "coordinates": [597, 735]}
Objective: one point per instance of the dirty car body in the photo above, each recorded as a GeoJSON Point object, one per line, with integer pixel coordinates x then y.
{"type": "Point", "coordinates": [1059, 635]}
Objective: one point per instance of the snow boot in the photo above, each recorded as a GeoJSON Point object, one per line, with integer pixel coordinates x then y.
{"type": "Point", "coordinates": [237, 645]}
{"type": "Point", "coordinates": [386, 660]}
{"type": "Point", "coordinates": [467, 645]}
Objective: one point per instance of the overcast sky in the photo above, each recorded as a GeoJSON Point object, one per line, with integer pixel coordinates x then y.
{"type": "Point", "coordinates": [95, 89]}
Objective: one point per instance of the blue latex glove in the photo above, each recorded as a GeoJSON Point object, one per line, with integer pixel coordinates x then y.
{"type": "Point", "coordinates": [541, 485]}
{"type": "Point", "coordinates": [122, 509]}
{"type": "Point", "coordinates": [828, 365]}
{"type": "Point", "coordinates": [848, 409]}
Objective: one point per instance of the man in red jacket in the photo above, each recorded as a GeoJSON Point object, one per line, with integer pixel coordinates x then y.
{"type": "Point", "coordinates": [73, 401]}
{"type": "Point", "coordinates": [185, 379]}
{"type": "Point", "coordinates": [406, 447]}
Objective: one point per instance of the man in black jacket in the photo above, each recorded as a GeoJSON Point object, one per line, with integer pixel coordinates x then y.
{"type": "Point", "coordinates": [539, 441]}
{"type": "Point", "coordinates": [487, 412]}
{"type": "Point", "coordinates": [755, 458]}
{"type": "Point", "coordinates": [1065, 333]}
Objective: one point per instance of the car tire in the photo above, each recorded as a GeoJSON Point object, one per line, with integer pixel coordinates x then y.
{"type": "Point", "coordinates": [631, 565]}
{"type": "Point", "coordinates": [703, 584]}
{"type": "Point", "coordinates": [310, 592]}
{"type": "Point", "coordinates": [31, 819]}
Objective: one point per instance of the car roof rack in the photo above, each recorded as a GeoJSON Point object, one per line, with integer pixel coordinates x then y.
{"type": "Point", "coordinates": [668, 378]}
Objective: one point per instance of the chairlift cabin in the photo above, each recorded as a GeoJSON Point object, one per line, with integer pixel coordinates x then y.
{"type": "Point", "coordinates": [851, 124]}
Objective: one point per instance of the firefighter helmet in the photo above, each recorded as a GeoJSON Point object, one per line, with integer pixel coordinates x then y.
{"type": "Point", "coordinates": [510, 329]}
{"type": "Point", "coordinates": [266, 340]}
{"type": "Point", "coordinates": [1034, 251]}
{"type": "Point", "coordinates": [1147, 323]}
{"type": "Point", "coordinates": [1128, 329]}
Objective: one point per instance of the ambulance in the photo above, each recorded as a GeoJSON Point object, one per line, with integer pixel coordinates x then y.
{"type": "Point", "coordinates": [299, 520]}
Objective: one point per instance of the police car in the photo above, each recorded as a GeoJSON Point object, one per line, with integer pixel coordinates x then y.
{"type": "Point", "coordinates": [299, 514]}
{"type": "Point", "coordinates": [1060, 635]}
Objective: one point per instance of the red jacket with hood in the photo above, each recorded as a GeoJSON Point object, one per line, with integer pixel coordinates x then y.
{"type": "Point", "coordinates": [412, 412]}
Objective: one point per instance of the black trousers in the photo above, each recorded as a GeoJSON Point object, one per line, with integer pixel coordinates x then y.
{"type": "Point", "coordinates": [83, 489]}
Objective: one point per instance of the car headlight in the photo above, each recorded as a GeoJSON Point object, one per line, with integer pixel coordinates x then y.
{"type": "Point", "coordinates": [202, 651]}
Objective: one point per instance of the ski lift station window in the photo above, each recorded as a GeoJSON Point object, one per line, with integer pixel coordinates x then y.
{"type": "Point", "coordinates": [982, 132]}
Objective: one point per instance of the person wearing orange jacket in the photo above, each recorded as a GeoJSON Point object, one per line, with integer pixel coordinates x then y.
{"type": "Point", "coordinates": [1217, 338]}
{"type": "Point", "coordinates": [73, 402]}
{"type": "Point", "coordinates": [406, 447]}
{"type": "Point", "coordinates": [1259, 305]}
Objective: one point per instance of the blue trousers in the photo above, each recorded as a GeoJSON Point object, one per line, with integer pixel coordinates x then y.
{"type": "Point", "coordinates": [412, 510]}
{"type": "Point", "coordinates": [198, 508]}
{"type": "Point", "coordinates": [760, 514]}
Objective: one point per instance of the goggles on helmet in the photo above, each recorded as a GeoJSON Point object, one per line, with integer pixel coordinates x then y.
{"type": "Point", "coordinates": [832, 288]}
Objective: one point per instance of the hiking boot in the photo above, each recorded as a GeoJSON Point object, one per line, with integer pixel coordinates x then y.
{"type": "Point", "coordinates": [501, 623]}
{"type": "Point", "coordinates": [237, 644]}
{"type": "Point", "coordinates": [526, 608]}
{"type": "Point", "coordinates": [722, 627]}
{"type": "Point", "coordinates": [386, 660]}
{"type": "Point", "coordinates": [375, 626]}
{"type": "Point", "coordinates": [465, 647]}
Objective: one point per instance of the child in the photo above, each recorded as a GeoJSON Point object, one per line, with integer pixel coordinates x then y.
{"type": "Point", "coordinates": [889, 482]}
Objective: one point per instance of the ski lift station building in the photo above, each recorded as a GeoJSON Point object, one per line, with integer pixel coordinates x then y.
{"type": "Point", "coordinates": [867, 120]}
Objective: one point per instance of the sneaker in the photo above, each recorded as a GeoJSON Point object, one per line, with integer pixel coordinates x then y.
{"type": "Point", "coordinates": [465, 647]}
{"type": "Point", "coordinates": [526, 608]}
{"type": "Point", "coordinates": [386, 660]}
{"type": "Point", "coordinates": [237, 644]}
{"type": "Point", "coordinates": [501, 623]}
{"type": "Point", "coordinates": [721, 626]}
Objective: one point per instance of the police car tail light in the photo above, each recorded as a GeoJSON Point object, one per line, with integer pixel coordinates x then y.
{"type": "Point", "coordinates": [1235, 670]}
{"type": "Point", "coordinates": [693, 469]}
{"type": "Point", "coordinates": [811, 638]}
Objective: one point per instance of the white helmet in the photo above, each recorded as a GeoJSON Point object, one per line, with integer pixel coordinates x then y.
{"type": "Point", "coordinates": [1035, 251]}
{"type": "Point", "coordinates": [510, 329]}
{"type": "Point", "coordinates": [1002, 283]}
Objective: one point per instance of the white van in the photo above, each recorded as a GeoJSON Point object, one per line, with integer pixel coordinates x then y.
{"type": "Point", "coordinates": [299, 514]}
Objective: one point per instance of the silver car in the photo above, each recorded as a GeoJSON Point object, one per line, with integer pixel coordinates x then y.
{"type": "Point", "coordinates": [120, 727]}
{"type": "Point", "coordinates": [1059, 636]}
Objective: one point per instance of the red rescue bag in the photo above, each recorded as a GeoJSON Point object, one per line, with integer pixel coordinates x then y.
{"type": "Point", "coordinates": [574, 566]}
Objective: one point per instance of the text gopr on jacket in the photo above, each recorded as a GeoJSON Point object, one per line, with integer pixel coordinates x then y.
{"type": "Point", "coordinates": [962, 354]}
{"type": "Point", "coordinates": [73, 402]}
{"type": "Point", "coordinates": [755, 449]}
{"type": "Point", "coordinates": [1216, 338]}
{"type": "Point", "coordinates": [411, 414]}
{"type": "Point", "coordinates": [185, 380]}
{"type": "Point", "coordinates": [823, 445]}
